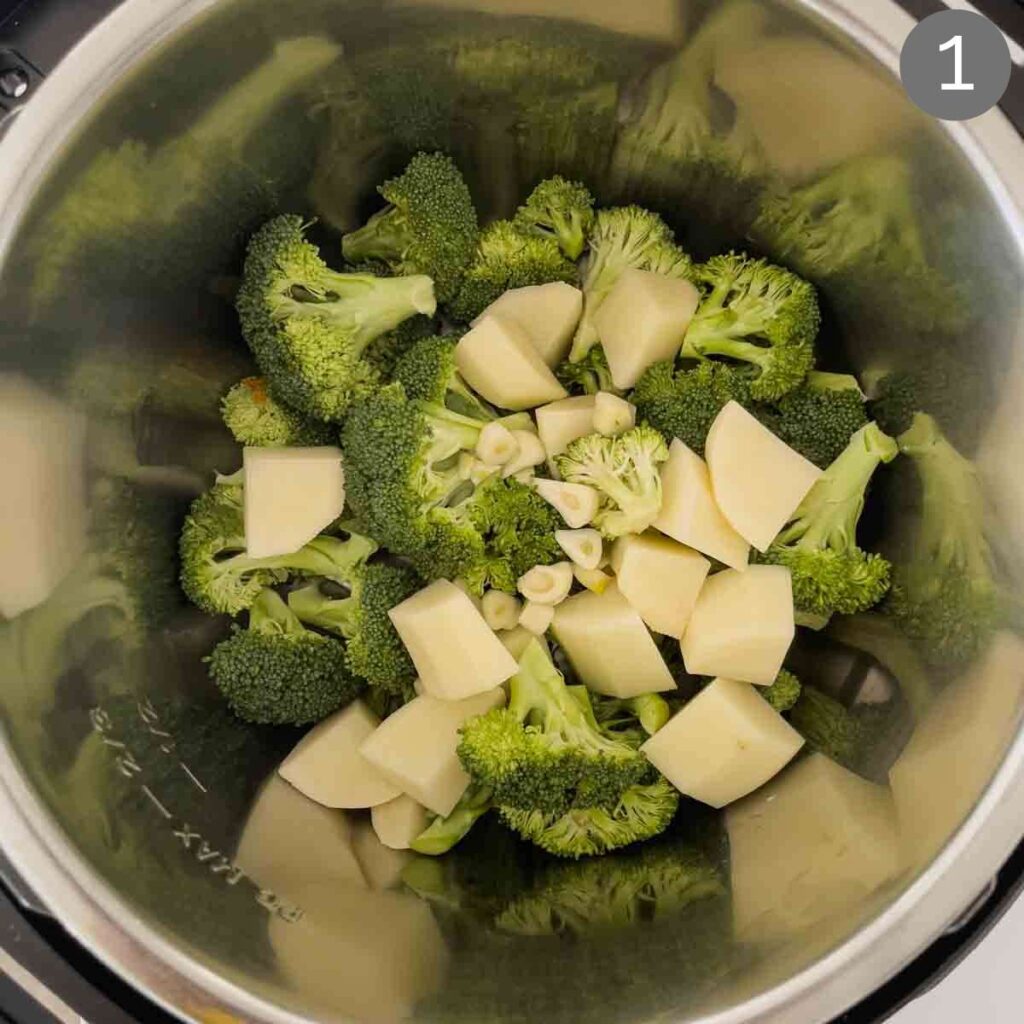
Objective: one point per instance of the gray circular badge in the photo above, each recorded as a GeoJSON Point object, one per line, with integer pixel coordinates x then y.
{"type": "Point", "coordinates": [955, 65]}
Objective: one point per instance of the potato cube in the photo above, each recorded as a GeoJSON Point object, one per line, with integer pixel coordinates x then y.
{"type": "Point", "coordinates": [757, 479]}
{"type": "Point", "coordinates": [642, 321]}
{"type": "Point", "coordinates": [660, 579]}
{"type": "Point", "coordinates": [609, 646]}
{"type": "Point", "coordinates": [416, 747]}
{"type": "Point", "coordinates": [742, 625]}
{"type": "Point", "coordinates": [398, 822]}
{"type": "Point", "coordinates": [517, 640]}
{"type": "Point", "coordinates": [724, 744]}
{"type": "Point", "coordinates": [455, 652]}
{"type": "Point", "coordinates": [548, 313]}
{"type": "Point", "coordinates": [560, 423]}
{"type": "Point", "coordinates": [689, 512]}
{"type": "Point", "coordinates": [498, 361]}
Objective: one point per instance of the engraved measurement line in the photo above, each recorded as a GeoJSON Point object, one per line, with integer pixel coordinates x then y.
{"type": "Point", "coordinates": [156, 803]}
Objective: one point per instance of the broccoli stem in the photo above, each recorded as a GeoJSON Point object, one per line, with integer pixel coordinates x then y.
{"type": "Point", "coordinates": [270, 614]}
{"type": "Point", "coordinates": [385, 236]}
{"type": "Point", "coordinates": [443, 833]}
{"type": "Point", "coordinates": [338, 615]}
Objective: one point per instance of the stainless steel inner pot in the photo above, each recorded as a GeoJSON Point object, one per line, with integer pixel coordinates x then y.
{"type": "Point", "coordinates": [133, 807]}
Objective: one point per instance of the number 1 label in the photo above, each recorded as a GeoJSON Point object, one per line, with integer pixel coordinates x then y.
{"type": "Point", "coordinates": [958, 84]}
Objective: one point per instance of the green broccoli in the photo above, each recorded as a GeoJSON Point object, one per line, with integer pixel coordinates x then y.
{"type": "Point", "coordinates": [784, 692]}
{"type": "Point", "coordinates": [218, 575]}
{"type": "Point", "coordinates": [561, 210]}
{"type": "Point", "coordinates": [589, 375]}
{"type": "Point", "coordinates": [255, 418]}
{"type": "Point", "coordinates": [429, 374]}
{"type": "Point", "coordinates": [309, 326]}
{"type": "Point", "coordinates": [444, 833]}
{"type": "Point", "coordinates": [428, 227]}
{"type": "Point", "coordinates": [624, 471]}
{"type": "Point", "coordinates": [623, 238]}
{"type": "Point", "coordinates": [758, 314]}
{"type": "Point", "coordinates": [545, 751]}
{"type": "Point", "coordinates": [895, 401]}
{"type": "Point", "coordinates": [384, 352]}
{"type": "Point", "coordinates": [507, 258]}
{"type": "Point", "coordinates": [375, 651]}
{"type": "Point", "coordinates": [277, 672]}
{"type": "Point", "coordinates": [819, 544]}
{"type": "Point", "coordinates": [631, 719]}
{"type": "Point", "coordinates": [642, 812]}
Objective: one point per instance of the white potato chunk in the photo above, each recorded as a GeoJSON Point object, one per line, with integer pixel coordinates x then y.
{"type": "Point", "coordinates": [577, 504]}
{"type": "Point", "coordinates": [536, 618]}
{"type": "Point", "coordinates": [689, 512]}
{"type": "Point", "coordinates": [501, 610]}
{"type": "Point", "coordinates": [416, 747]}
{"type": "Point", "coordinates": [597, 580]}
{"type": "Point", "coordinates": [530, 452]}
{"type": "Point", "coordinates": [813, 844]}
{"type": "Point", "coordinates": [455, 652]}
{"type": "Point", "coordinates": [660, 579]}
{"type": "Point", "coordinates": [498, 361]}
{"type": "Point", "coordinates": [291, 495]}
{"type": "Point", "coordinates": [560, 423]}
{"type": "Point", "coordinates": [584, 547]}
{"type": "Point", "coordinates": [546, 584]}
{"type": "Point", "coordinates": [518, 639]}
{"type": "Point", "coordinates": [548, 313]}
{"type": "Point", "coordinates": [724, 744]}
{"type": "Point", "coordinates": [613, 415]}
{"type": "Point", "coordinates": [643, 321]}
{"type": "Point", "coordinates": [497, 445]}
{"type": "Point", "coordinates": [609, 645]}
{"type": "Point", "coordinates": [398, 822]}
{"type": "Point", "coordinates": [382, 867]}
{"type": "Point", "coordinates": [742, 625]}
{"type": "Point", "coordinates": [757, 479]}
{"type": "Point", "coordinates": [326, 764]}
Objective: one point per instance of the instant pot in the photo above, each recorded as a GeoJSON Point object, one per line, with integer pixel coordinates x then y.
{"type": "Point", "coordinates": [152, 867]}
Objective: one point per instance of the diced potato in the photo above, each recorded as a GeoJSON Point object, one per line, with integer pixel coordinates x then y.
{"type": "Point", "coordinates": [478, 603]}
{"type": "Point", "coordinates": [757, 480]}
{"type": "Point", "coordinates": [689, 512]}
{"type": "Point", "coordinates": [517, 640]}
{"type": "Point", "coordinates": [812, 844]}
{"type": "Point", "coordinates": [501, 610]}
{"type": "Point", "coordinates": [613, 415]}
{"type": "Point", "coordinates": [660, 579]}
{"type": "Point", "coordinates": [398, 822]}
{"type": "Point", "coordinates": [547, 584]}
{"type": "Point", "coordinates": [560, 423]}
{"type": "Point", "coordinates": [536, 618]}
{"type": "Point", "coordinates": [742, 625]}
{"type": "Point", "coordinates": [416, 747]}
{"type": "Point", "coordinates": [548, 313]}
{"type": "Point", "coordinates": [326, 764]}
{"type": "Point", "coordinates": [609, 646]}
{"type": "Point", "coordinates": [289, 841]}
{"type": "Point", "coordinates": [597, 580]}
{"type": "Point", "coordinates": [584, 547]}
{"type": "Point", "coordinates": [529, 453]}
{"type": "Point", "coordinates": [455, 652]}
{"type": "Point", "coordinates": [724, 744]}
{"type": "Point", "coordinates": [497, 445]}
{"type": "Point", "coordinates": [498, 361]}
{"type": "Point", "coordinates": [291, 495]}
{"type": "Point", "coordinates": [382, 867]}
{"type": "Point", "coordinates": [577, 504]}
{"type": "Point", "coordinates": [642, 321]}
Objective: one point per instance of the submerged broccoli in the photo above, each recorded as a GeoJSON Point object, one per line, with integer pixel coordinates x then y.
{"type": "Point", "coordinates": [255, 418]}
{"type": "Point", "coordinates": [507, 258]}
{"type": "Point", "coordinates": [623, 238]}
{"type": "Point", "coordinates": [758, 314]}
{"type": "Point", "coordinates": [819, 544]}
{"type": "Point", "coordinates": [309, 326]}
{"type": "Point", "coordinates": [624, 471]}
{"type": "Point", "coordinates": [561, 210]}
{"type": "Point", "coordinates": [589, 375]}
{"type": "Point", "coordinates": [375, 651]}
{"type": "Point", "coordinates": [545, 751]}
{"type": "Point", "coordinates": [218, 575]}
{"type": "Point", "coordinates": [428, 227]}
{"type": "Point", "coordinates": [278, 672]}
{"type": "Point", "coordinates": [428, 373]}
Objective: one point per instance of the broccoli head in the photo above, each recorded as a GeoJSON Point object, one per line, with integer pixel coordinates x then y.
{"type": "Point", "coordinates": [507, 258]}
{"type": "Point", "coordinates": [819, 544]}
{"type": "Point", "coordinates": [309, 326]}
{"type": "Point", "coordinates": [559, 209]}
{"type": "Point", "coordinates": [256, 419]}
{"type": "Point", "coordinates": [428, 373]}
{"type": "Point", "coordinates": [622, 238]}
{"type": "Point", "coordinates": [545, 751]}
{"type": "Point", "coordinates": [277, 672]}
{"type": "Point", "coordinates": [784, 692]}
{"type": "Point", "coordinates": [428, 227]}
{"type": "Point", "coordinates": [624, 471]}
{"type": "Point", "coordinates": [589, 375]}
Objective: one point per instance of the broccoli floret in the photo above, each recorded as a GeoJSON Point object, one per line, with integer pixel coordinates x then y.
{"type": "Point", "coordinates": [944, 595]}
{"type": "Point", "coordinates": [428, 227]}
{"type": "Point", "coordinates": [507, 258]}
{"type": "Point", "coordinates": [218, 575]}
{"type": "Point", "coordinates": [819, 544]}
{"type": "Point", "coordinates": [895, 402]}
{"type": "Point", "coordinates": [375, 651]}
{"type": "Point", "coordinates": [642, 812]}
{"type": "Point", "coordinates": [631, 719]}
{"type": "Point", "coordinates": [589, 375]}
{"type": "Point", "coordinates": [624, 471]}
{"type": "Point", "coordinates": [561, 210]}
{"type": "Point", "coordinates": [277, 672]}
{"type": "Point", "coordinates": [784, 692]}
{"type": "Point", "coordinates": [255, 418]}
{"type": "Point", "coordinates": [428, 373]}
{"type": "Point", "coordinates": [758, 314]}
{"type": "Point", "coordinates": [545, 751]}
{"type": "Point", "coordinates": [622, 238]}
{"type": "Point", "coordinates": [444, 833]}
{"type": "Point", "coordinates": [308, 326]}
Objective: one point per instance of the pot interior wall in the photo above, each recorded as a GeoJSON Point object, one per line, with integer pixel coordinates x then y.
{"type": "Point", "coordinates": [747, 125]}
